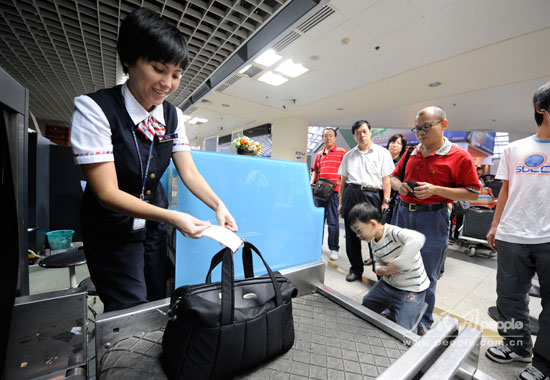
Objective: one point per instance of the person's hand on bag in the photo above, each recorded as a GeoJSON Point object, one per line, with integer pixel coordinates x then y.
{"type": "Point", "coordinates": [225, 219]}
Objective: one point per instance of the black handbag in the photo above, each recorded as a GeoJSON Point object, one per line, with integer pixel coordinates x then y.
{"type": "Point", "coordinates": [323, 189]}
{"type": "Point", "coordinates": [461, 208]}
{"type": "Point", "coordinates": [217, 330]}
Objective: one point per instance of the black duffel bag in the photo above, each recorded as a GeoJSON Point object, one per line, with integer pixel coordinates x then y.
{"type": "Point", "coordinates": [217, 330]}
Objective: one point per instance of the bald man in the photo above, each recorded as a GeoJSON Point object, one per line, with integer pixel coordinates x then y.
{"type": "Point", "coordinates": [441, 173]}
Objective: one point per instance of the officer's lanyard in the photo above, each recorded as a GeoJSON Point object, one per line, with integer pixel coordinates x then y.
{"type": "Point", "coordinates": [143, 175]}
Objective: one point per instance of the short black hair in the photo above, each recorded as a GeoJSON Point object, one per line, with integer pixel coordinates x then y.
{"type": "Point", "coordinates": [330, 129]}
{"type": "Point", "coordinates": [403, 142]}
{"type": "Point", "coordinates": [364, 212]}
{"type": "Point", "coordinates": [542, 100]}
{"type": "Point", "coordinates": [145, 34]}
{"type": "Point", "coordinates": [357, 124]}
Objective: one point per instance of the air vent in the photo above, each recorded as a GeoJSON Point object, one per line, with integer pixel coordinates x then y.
{"type": "Point", "coordinates": [222, 88]}
{"type": "Point", "coordinates": [287, 40]}
{"type": "Point", "coordinates": [232, 80]}
{"type": "Point", "coordinates": [317, 18]}
{"type": "Point", "coordinates": [252, 71]}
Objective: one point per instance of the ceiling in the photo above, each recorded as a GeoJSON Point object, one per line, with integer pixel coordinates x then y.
{"type": "Point", "coordinates": [59, 49]}
{"type": "Point", "coordinates": [490, 57]}
{"type": "Point", "coordinates": [370, 59]}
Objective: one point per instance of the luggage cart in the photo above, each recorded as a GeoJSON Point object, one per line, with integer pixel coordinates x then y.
{"type": "Point", "coordinates": [473, 232]}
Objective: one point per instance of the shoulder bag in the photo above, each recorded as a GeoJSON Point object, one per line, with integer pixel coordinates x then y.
{"type": "Point", "coordinates": [217, 330]}
{"type": "Point", "coordinates": [323, 187]}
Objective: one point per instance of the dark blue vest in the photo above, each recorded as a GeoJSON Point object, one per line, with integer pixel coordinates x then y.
{"type": "Point", "coordinates": [97, 219]}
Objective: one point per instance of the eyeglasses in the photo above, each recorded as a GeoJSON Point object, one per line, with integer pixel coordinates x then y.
{"type": "Point", "coordinates": [426, 127]}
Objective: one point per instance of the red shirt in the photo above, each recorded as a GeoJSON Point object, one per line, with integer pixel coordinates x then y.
{"type": "Point", "coordinates": [450, 166]}
{"type": "Point", "coordinates": [330, 163]}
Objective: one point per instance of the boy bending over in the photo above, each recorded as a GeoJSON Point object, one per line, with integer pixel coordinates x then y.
{"type": "Point", "coordinates": [396, 255]}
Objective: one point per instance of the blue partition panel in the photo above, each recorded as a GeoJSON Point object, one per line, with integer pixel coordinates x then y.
{"type": "Point", "coordinates": [272, 203]}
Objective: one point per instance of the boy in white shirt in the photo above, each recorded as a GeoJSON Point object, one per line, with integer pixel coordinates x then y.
{"type": "Point", "coordinates": [396, 255]}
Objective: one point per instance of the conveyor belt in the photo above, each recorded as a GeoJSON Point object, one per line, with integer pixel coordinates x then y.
{"type": "Point", "coordinates": [331, 343]}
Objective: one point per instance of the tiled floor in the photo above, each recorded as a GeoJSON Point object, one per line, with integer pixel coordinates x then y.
{"type": "Point", "coordinates": [465, 291]}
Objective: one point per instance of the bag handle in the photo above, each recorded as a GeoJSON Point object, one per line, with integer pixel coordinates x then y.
{"type": "Point", "coordinates": [228, 282]}
{"type": "Point", "coordinates": [218, 257]}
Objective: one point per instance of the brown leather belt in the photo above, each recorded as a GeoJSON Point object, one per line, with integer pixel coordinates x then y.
{"type": "Point", "coordinates": [364, 188]}
{"type": "Point", "coordinates": [423, 207]}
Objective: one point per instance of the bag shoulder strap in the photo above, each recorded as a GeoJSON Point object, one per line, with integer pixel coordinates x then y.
{"type": "Point", "coordinates": [371, 257]}
{"type": "Point", "coordinates": [407, 156]}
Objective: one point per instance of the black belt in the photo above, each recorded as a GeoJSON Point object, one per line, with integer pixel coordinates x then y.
{"type": "Point", "coordinates": [423, 207]}
{"type": "Point", "coordinates": [364, 188]}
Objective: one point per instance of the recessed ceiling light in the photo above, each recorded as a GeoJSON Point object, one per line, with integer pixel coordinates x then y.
{"type": "Point", "coordinates": [291, 69]}
{"type": "Point", "coordinates": [273, 79]}
{"type": "Point", "coordinates": [314, 57]}
{"type": "Point", "coordinates": [339, 109]}
{"type": "Point", "coordinates": [345, 40]}
{"type": "Point", "coordinates": [268, 58]}
{"type": "Point", "coordinates": [244, 69]}
{"type": "Point", "coordinates": [225, 105]}
{"type": "Point", "coordinates": [434, 84]}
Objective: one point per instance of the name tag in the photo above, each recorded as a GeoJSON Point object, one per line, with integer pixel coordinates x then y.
{"type": "Point", "coordinates": [139, 224]}
{"type": "Point", "coordinates": [169, 137]}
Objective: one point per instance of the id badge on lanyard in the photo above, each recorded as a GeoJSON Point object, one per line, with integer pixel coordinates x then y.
{"type": "Point", "coordinates": [139, 223]}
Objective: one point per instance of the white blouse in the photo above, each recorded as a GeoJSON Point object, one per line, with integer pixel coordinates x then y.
{"type": "Point", "coordinates": [91, 132]}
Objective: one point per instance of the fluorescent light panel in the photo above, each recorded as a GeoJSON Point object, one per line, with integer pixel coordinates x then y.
{"type": "Point", "coordinates": [291, 69]}
{"type": "Point", "coordinates": [272, 79]}
{"type": "Point", "coordinates": [196, 120]}
{"type": "Point", "coordinates": [268, 58]}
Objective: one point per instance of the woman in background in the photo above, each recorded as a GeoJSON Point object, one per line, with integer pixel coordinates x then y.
{"type": "Point", "coordinates": [397, 145]}
{"type": "Point", "coordinates": [124, 138]}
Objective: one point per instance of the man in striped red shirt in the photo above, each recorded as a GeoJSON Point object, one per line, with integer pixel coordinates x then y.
{"type": "Point", "coordinates": [326, 165]}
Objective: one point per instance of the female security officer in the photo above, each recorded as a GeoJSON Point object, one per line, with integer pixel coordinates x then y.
{"type": "Point", "coordinates": [123, 138]}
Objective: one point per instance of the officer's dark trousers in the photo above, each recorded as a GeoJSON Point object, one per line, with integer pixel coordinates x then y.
{"type": "Point", "coordinates": [128, 273]}
{"type": "Point", "coordinates": [353, 196]}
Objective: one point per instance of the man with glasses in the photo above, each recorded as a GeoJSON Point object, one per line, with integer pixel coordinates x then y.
{"type": "Point", "coordinates": [326, 165]}
{"type": "Point", "coordinates": [437, 173]}
{"type": "Point", "coordinates": [521, 233]}
{"type": "Point", "coordinates": [365, 171]}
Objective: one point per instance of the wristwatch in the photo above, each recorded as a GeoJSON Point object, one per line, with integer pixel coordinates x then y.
{"type": "Point", "coordinates": [386, 200]}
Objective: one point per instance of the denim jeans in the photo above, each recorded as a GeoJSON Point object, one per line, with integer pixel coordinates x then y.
{"type": "Point", "coordinates": [405, 306]}
{"type": "Point", "coordinates": [517, 264]}
{"type": "Point", "coordinates": [333, 223]}
{"type": "Point", "coordinates": [435, 226]}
